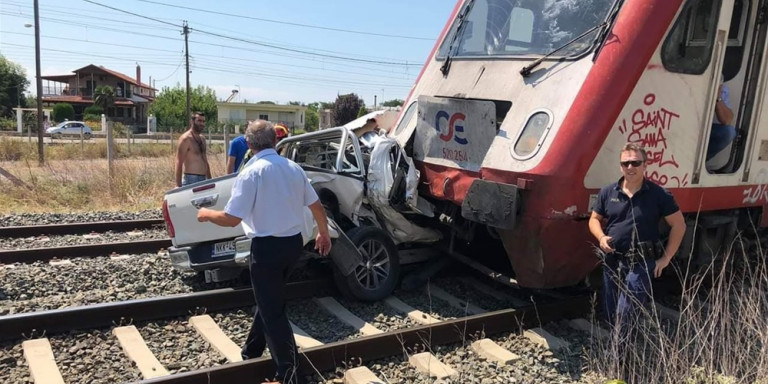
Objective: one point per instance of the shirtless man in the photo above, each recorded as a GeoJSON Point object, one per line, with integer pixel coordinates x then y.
{"type": "Point", "coordinates": [191, 154]}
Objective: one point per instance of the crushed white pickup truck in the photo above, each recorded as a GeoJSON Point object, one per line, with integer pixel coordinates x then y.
{"type": "Point", "coordinates": [368, 187]}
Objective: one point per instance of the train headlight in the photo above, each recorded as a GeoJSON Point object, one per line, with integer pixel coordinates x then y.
{"type": "Point", "coordinates": [531, 137]}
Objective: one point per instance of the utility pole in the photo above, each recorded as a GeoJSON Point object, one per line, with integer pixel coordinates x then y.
{"type": "Point", "coordinates": [186, 53]}
{"type": "Point", "coordinates": [40, 150]}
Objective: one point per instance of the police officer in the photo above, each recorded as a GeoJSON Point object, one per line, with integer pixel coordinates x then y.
{"type": "Point", "coordinates": [268, 199]}
{"type": "Point", "coordinates": [632, 209]}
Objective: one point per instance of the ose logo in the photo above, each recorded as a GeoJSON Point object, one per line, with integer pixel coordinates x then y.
{"type": "Point", "coordinates": [453, 129]}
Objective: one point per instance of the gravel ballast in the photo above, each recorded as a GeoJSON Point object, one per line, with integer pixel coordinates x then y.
{"type": "Point", "coordinates": [40, 286]}
{"type": "Point", "coordinates": [23, 219]}
{"type": "Point", "coordinates": [536, 365]}
{"type": "Point", "coordinates": [43, 241]}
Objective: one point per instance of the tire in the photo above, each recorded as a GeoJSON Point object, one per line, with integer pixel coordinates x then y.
{"type": "Point", "coordinates": [369, 281]}
{"type": "Point", "coordinates": [56, 136]}
{"type": "Point", "coordinates": [87, 136]}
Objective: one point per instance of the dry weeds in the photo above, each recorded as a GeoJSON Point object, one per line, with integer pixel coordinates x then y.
{"type": "Point", "coordinates": [722, 333]}
{"type": "Point", "coordinates": [75, 180]}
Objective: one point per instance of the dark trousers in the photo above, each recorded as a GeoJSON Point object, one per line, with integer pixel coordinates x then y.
{"type": "Point", "coordinates": [272, 259]}
{"type": "Point", "coordinates": [626, 288]}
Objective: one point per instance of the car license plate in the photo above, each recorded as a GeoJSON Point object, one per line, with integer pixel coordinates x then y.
{"type": "Point", "coordinates": [223, 248]}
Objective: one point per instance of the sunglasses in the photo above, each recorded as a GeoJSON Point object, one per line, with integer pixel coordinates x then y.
{"type": "Point", "coordinates": [634, 163]}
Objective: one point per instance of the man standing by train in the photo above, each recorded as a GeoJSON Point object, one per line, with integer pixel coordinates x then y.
{"type": "Point", "coordinates": [268, 198]}
{"type": "Point", "coordinates": [630, 241]}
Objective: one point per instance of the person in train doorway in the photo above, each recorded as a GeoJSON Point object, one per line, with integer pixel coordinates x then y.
{"type": "Point", "coordinates": [723, 131]}
{"type": "Point", "coordinates": [237, 150]}
{"type": "Point", "coordinates": [268, 200]}
{"type": "Point", "coordinates": [629, 242]}
{"type": "Point", "coordinates": [191, 154]}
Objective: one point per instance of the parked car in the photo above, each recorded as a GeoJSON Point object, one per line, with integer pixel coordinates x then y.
{"type": "Point", "coordinates": [70, 128]}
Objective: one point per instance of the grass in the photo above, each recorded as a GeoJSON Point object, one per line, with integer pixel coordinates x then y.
{"type": "Point", "coordinates": [75, 179]}
{"type": "Point", "coordinates": [722, 333]}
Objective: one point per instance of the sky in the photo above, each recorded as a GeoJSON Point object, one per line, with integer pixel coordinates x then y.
{"type": "Point", "coordinates": [281, 51]}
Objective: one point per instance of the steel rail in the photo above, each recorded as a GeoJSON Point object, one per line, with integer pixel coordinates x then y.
{"type": "Point", "coordinates": [75, 228]}
{"type": "Point", "coordinates": [365, 349]}
{"type": "Point", "coordinates": [31, 324]}
{"type": "Point", "coordinates": [88, 250]}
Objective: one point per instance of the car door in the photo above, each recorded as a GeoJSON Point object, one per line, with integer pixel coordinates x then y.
{"type": "Point", "coordinates": [334, 164]}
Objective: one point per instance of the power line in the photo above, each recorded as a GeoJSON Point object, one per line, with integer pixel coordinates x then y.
{"type": "Point", "coordinates": [172, 73]}
{"type": "Point", "coordinates": [54, 10]}
{"type": "Point", "coordinates": [406, 64]}
{"type": "Point", "coordinates": [187, 29]}
{"type": "Point", "coordinates": [218, 45]}
{"type": "Point", "coordinates": [236, 59]}
{"type": "Point", "coordinates": [131, 13]}
{"type": "Point", "coordinates": [281, 22]}
{"type": "Point", "coordinates": [292, 78]}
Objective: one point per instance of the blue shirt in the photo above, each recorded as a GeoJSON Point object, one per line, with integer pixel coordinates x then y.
{"type": "Point", "coordinates": [269, 195]}
{"type": "Point", "coordinates": [237, 149]}
{"type": "Point", "coordinates": [636, 217]}
{"type": "Point", "coordinates": [725, 95]}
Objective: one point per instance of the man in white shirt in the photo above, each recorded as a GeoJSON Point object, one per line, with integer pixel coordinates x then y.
{"type": "Point", "coordinates": [268, 199]}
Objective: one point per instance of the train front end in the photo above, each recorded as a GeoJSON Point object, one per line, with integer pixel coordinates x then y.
{"type": "Point", "coordinates": [509, 112]}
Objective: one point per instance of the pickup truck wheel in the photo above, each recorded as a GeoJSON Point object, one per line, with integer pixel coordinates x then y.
{"type": "Point", "coordinates": [376, 276]}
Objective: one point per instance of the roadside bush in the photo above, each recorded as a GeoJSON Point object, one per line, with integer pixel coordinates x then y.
{"type": "Point", "coordinates": [95, 125]}
{"type": "Point", "coordinates": [92, 117]}
{"type": "Point", "coordinates": [63, 111]}
{"type": "Point", "coordinates": [94, 110]}
{"type": "Point", "coordinates": [7, 124]}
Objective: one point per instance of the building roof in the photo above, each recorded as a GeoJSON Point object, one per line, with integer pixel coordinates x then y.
{"type": "Point", "coordinates": [263, 106]}
{"type": "Point", "coordinates": [65, 78]}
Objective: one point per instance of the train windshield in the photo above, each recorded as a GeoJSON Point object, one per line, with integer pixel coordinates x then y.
{"type": "Point", "coordinates": [524, 27]}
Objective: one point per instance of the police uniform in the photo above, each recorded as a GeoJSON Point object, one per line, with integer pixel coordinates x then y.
{"type": "Point", "coordinates": [269, 195]}
{"type": "Point", "coordinates": [633, 224]}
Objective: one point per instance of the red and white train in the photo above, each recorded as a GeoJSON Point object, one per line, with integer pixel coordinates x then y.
{"type": "Point", "coordinates": [517, 117]}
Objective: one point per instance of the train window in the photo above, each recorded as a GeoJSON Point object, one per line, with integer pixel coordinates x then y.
{"type": "Point", "coordinates": [734, 53]}
{"type": "Point", "coordinates": [407, 117]}
{"type": "Point", "coordinates": [688, 47]}
{"type": "Point", "coordinates": [523, 27]}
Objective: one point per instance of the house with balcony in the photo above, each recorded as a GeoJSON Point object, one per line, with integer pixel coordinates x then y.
{"type": "Point", "coordinates": [132, 97]}
{"type": "Point", "coordinates": [292, 116]}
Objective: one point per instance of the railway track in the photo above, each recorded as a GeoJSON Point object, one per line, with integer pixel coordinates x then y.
{"type": "Point", "coordinates": [31, 253]}
{"type": "Point", "coordinates": [76, 228]}
{"type": "Point", "coordinates": [426, 330]}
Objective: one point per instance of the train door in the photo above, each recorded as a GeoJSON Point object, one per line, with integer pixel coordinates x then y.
{"type": "Point", "coordinates": [739, 51]}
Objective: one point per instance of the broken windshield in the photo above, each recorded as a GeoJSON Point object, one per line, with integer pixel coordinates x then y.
{"type": "Point", "coordinates": [525, 27]}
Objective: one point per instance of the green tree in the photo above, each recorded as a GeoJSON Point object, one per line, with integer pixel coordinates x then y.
{"type": "Point", "coordinates": [104, 97]}
{"type": "Point", "coordinates": [362, 112]}
{"type": "Point", "coordinates": [63, 111]}
{"type": "Point", "coordinates": [345, 108]}
{"type": "Point", "coordinates": [393, 103]}
{"type": "Point", "coordinates": [170, 106]}
{"type": "Point", "coordinates": [13, 83]}
{"type": "Point", "coordinates": [266, 102]}
{"type": "Point", "coordinates": [311, 120]}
